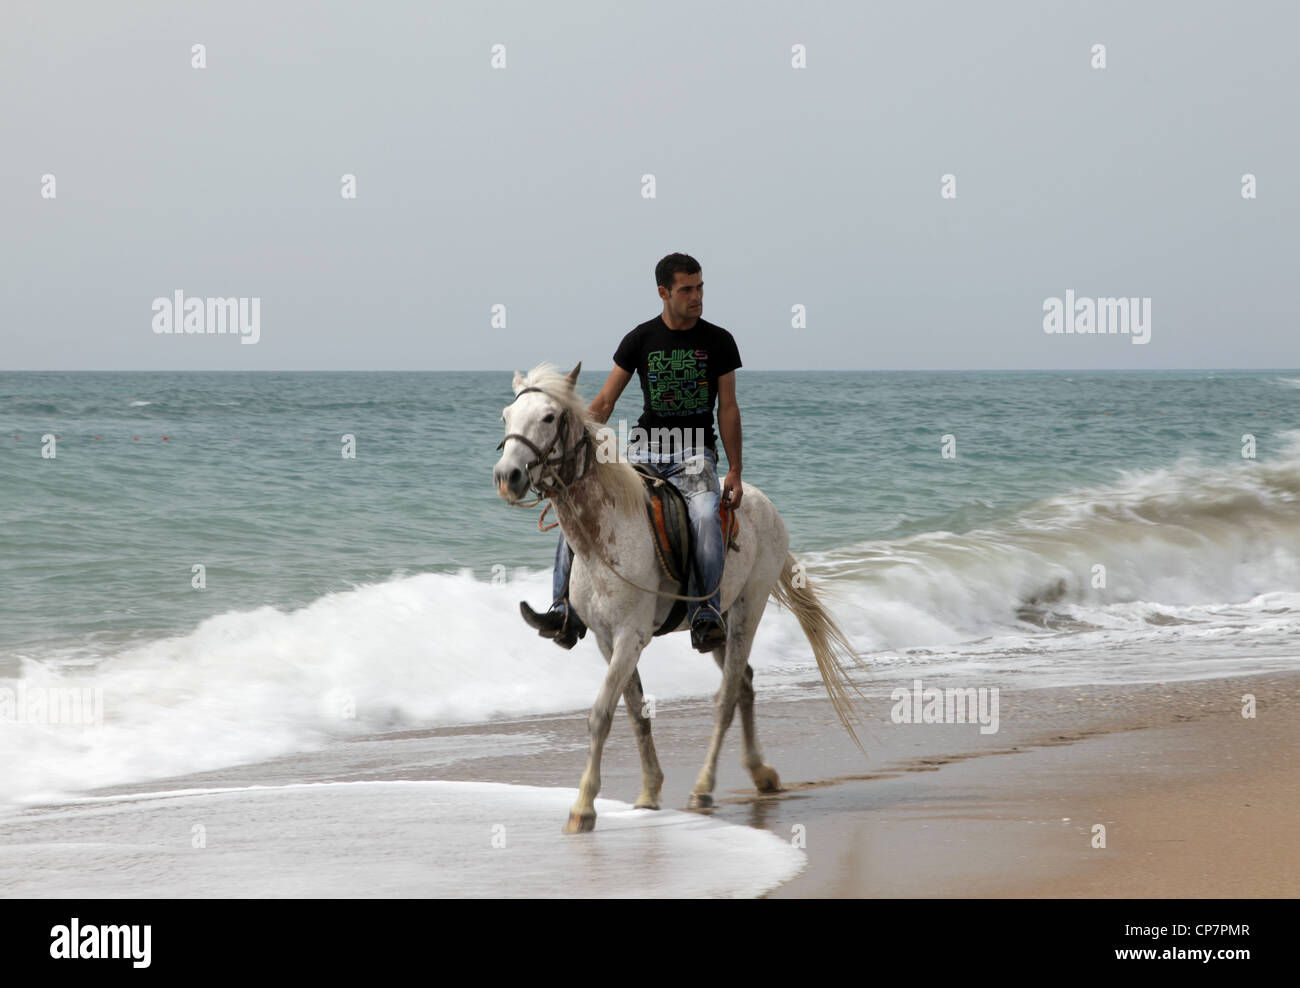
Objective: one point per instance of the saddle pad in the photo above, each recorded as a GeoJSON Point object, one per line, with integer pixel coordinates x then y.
{"type": "Point", "coordinates": [670, 521]}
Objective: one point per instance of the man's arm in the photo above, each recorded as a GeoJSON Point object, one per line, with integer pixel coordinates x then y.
{"type": "Point", "coordinates": [729, 429]}
{"type": "Point", "coordinates": [602, 406]}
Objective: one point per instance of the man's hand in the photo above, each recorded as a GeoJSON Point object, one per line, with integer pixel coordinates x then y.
{"type": "Point", "coordinates": [731, 490]}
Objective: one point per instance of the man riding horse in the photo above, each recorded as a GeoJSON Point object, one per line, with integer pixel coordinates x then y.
{"type": "Point", "coordinates": [684, 362]}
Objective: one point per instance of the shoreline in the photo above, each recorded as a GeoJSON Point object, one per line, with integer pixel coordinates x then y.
{"type": "Point", "coordinates": [1196, 800]}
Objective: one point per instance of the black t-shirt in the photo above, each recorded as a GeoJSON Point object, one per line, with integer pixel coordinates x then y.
{"type": "Point", "coordinates": [679, 371]}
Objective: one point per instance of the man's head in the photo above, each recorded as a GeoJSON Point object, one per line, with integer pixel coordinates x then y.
{"type": "Point", "coordinates": [681, 286]}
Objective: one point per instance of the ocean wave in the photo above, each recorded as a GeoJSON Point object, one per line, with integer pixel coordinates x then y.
{"type": "Point", "coordinates": [32, 408]}
{"type": "Point", "coordinates": [420, 651]}
{"type": "Point", "coordinates": [1185, 569]}
{"type": "Point", "coordinates": [1187, 535]}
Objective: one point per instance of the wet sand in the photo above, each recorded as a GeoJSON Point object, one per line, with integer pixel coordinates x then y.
{"type": "Point", "coordinates": [1195, 799]}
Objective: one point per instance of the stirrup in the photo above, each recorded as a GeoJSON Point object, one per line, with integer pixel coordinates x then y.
{"type": "Point", "coordinates": [715, 637]}
{"type": "Point", "coordinates": [564, 625]}
{"type": "Point", "coordinates": [718, 618]}
{"type": "Point", "coordinates": [550, 625]}
{"type": "Point", "coordinates": [545, 622]}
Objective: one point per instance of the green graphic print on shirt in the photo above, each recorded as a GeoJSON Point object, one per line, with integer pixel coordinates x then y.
{"type": "Point", "coordinates": [678, 381]}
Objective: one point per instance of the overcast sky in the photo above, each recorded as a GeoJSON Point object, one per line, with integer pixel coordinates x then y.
{"type": "Point", "coordinates": [522, 186]}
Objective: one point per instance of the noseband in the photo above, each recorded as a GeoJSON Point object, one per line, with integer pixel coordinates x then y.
{"type": "Point", "coordinates": [564, 464]}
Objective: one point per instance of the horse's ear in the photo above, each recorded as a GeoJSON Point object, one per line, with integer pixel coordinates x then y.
{"type": "Point", "coordinates": [517, 383]}
{"type": "Point", "coordinates": [573, 375]}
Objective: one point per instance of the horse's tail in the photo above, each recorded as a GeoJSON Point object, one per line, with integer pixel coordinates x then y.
{"type": "Point", "coordinates": [827, 639]}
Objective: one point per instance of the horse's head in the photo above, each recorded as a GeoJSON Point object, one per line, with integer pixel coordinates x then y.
{"type": "Point", "coordinates": [542, 428]}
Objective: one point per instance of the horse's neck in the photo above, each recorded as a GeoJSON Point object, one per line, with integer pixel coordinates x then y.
{"type": "Point", "coordinates": [590, 508]}
{"type": "Point", "coordinates": [584, 513]}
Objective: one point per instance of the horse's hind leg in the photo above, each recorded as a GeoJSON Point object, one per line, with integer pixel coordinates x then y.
{"type": "Point", "coordinates": [652, 776]}
{"type": "Point", "coordinates": [764, 776]}
{"type": "Point", "coordinates": [734, 662]}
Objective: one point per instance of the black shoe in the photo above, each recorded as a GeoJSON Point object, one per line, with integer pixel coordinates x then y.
{"type": "Point", "coordinates": [561, 624]}
{"type": "Point", "coordinates": [708, 630]}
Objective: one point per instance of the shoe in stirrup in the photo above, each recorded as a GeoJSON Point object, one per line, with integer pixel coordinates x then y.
{"type": "Point", "coordinates": [561, 623]}
{"type": "Point", "coordinates": [708, 630]}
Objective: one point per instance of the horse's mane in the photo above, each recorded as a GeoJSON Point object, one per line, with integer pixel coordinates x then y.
{"type": "Point", "coordinates": [612, 473]}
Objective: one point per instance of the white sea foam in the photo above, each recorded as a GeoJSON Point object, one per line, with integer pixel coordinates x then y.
{"type": "Point", "coordinates": [421, 651]}
{"type": "Point", "coordinates": [492, 840]}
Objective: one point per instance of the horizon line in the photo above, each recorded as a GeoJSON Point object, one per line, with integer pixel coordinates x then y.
{"type": "Point", "coordinates": [783, 370]}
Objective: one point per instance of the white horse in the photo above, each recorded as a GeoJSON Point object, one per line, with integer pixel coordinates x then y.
{"type": "Point", "coordinates": [618, 587]}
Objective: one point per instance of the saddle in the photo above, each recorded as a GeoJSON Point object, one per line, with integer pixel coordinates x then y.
{"type": "Point", "coordinates": [670, 523]}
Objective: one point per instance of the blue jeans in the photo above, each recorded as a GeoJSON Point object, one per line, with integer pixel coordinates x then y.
{"type": "Point", "coordinates": [695, 474]}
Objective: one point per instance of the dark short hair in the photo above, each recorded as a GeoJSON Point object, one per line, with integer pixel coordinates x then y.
{"type": "Point", "coordinates": [671, 266]}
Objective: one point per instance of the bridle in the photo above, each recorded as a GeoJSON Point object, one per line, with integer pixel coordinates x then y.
{"type": "Point", "coordinates": [562, 467]}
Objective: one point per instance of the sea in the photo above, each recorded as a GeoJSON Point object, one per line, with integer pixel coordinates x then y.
{"type": "Point", "coordinates": [235, 567]}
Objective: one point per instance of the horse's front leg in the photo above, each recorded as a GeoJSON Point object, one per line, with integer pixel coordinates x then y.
{"type": "Point", "coordinates": [627, 652]}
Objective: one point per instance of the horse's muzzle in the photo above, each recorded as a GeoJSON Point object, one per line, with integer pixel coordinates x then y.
{"type": "Point", "coordinates": [512, 483]}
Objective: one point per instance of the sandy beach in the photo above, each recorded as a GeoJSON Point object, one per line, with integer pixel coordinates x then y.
{"type": "Point", "coordinates": [1195, 799]}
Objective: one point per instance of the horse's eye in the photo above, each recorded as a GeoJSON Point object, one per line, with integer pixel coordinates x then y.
{"type": "Point", "coordinates": [549, 418]}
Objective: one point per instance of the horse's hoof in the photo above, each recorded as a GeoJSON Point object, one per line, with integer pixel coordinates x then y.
{"type": "Point", "coordinates": [699, 801]}
{"type": "Point", "coordinates": [766, 779]}
{"type": "Point", "coordinates": [645, 803]}
{"type": "Point", "coordinates": [580, 823]}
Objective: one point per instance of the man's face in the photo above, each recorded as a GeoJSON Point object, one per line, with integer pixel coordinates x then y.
{"type": "Point", "coordinates": [686, 299]}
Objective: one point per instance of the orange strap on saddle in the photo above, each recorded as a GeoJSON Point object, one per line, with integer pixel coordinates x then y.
{"type": "Point", "coordinates": [673, 563]}
{"type": "Point", "coordinates": [730, 526]}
